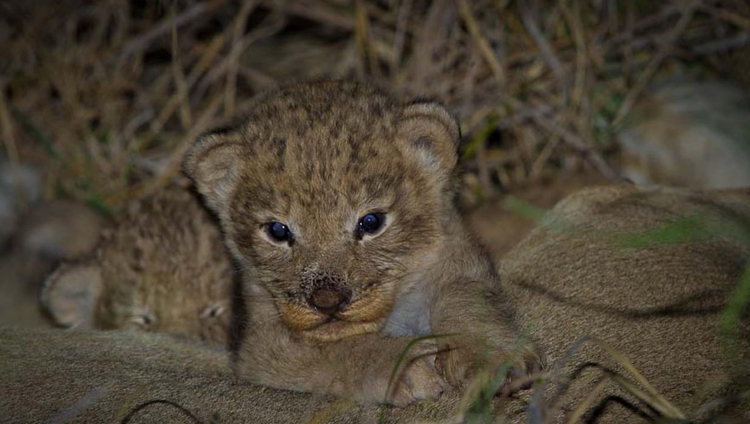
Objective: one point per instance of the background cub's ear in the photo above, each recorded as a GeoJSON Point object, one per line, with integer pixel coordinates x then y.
{"type": "Point", "coordinates": [213, 164]}
{"type": "Point", "coordinates": [426, 130]}
{"type": "Point", "coordinates": [71, 293]}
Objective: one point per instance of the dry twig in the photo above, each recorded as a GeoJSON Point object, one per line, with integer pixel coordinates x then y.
{"type": "Point", "coordinates": [656, 61]}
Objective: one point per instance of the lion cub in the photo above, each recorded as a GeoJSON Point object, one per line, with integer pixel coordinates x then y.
{"type": "Point", "coordinates": [688, 133]}
{"type": "Point", "coordinates": [336, 199]}
{"type": "Point", "coordinates": [162, 267]}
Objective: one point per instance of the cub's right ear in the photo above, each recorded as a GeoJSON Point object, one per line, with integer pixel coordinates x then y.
{"type": "Point", "coordinates": [71, 294]}
{"type": "Point", "coordinates": [213, 165]}
{"type": "Point", "coordinates": [428, 132]}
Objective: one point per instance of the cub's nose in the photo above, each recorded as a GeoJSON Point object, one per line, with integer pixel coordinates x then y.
{"type": "Point", "coordinates": [329, 300]}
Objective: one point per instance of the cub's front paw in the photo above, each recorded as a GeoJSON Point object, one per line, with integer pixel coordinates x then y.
{"type": "Point", "coordinates": [416, 377]}
{"type": "Point", "coordinates": [462, 365]}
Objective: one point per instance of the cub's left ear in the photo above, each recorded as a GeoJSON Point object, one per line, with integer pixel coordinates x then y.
{"type": "Point", "coordinates": [213, 163]}
{"type": "Point", "coordinates": [427, 131]}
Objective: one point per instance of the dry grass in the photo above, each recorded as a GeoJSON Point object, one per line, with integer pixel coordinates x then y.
{"type": "Point", "coordinates": [106, 95]}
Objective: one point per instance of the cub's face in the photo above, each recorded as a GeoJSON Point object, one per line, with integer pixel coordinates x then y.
{"type": "Point", "coordinates": [331, 196]}
{"type": "Point", "coordinates": [186, 300]}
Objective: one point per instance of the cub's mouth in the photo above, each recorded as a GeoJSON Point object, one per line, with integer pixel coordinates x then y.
{"type": "Point", "coordinates": [364, 315]}
{"type": "Point", "coordinates": [335, 329]}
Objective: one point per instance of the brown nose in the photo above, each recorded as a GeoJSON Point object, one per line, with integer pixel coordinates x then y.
{"type": "Point", "coordinates": [329, 300]}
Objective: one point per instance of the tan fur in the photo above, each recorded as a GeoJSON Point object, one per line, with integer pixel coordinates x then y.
{"type": "Point", "coordinates": [689, 134]}
{"type": "Point", "coordinates": [162, 267]}
{"type": "Point", "coordinates": [659, 305]}
{"type": "Point", "coordinates": [318, 157]}
{"type": "Point", "coordinates": [101, 377]}
{"type": "Point", "coordinates": [60, 229]}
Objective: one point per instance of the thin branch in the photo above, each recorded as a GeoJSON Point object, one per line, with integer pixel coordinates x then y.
{"type": "Point", "coordinates": [9, 139]}
{"type": "Point", "coordinates": [402, 20]}
{"type": "Point", "coordinates": [719, 46]}
{"type": "Point", "coordinates": [174, 102]}
{"type": "Point", "coordinates": [179, 80]}
{"type": "Point", "coordinates": [594, 158]}
{"type": "Point", "coordinates": [482, 44]}
{"type": "Point", "coordinates": [234, 56]}
{"type": "Point", "coordinates": [655, 63]}
{"type": "Point", "coordinates": [218, 70]}
{"type": "Point", "coordinates": [545, 48]}
{"type": "Point", "coordinates": [319, 12]}
{"type": "Point", "coordinates": [142, 42]}
{"type": "Point", "coordinates": [172, 165]}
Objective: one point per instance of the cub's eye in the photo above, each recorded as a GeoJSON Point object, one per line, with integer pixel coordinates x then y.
{"type": "Point", "coordinates": [213, 311]}
{"type": "Point", "coordinates": [143, 320]}
{"type": "Point", "coordinates": [278, 232]}
{"type": "Point", "coordinates": [370, 224]}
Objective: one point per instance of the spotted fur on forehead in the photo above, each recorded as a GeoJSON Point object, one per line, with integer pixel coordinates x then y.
{"type": "Point", "coordinates": [320, 132]}
{"type": "Point", "coordinates": [323, 144]}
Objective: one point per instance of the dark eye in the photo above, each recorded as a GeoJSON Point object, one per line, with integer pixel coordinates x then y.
{"type": "Point", "coordinates": [278, 231]}
{"type": "Point", "coordinates": [213, 311]}
{"type": "Point", "coordinates": [143, 320]}
{"type": "Point", "coordinates": [370, 223]}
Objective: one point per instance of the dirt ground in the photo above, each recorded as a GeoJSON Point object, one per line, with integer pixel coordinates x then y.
{"type": "Point", "coordinates": [501, 228]}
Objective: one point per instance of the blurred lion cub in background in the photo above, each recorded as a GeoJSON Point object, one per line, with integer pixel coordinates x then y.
{"type": "Point", "coordinates": [162, 267]}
